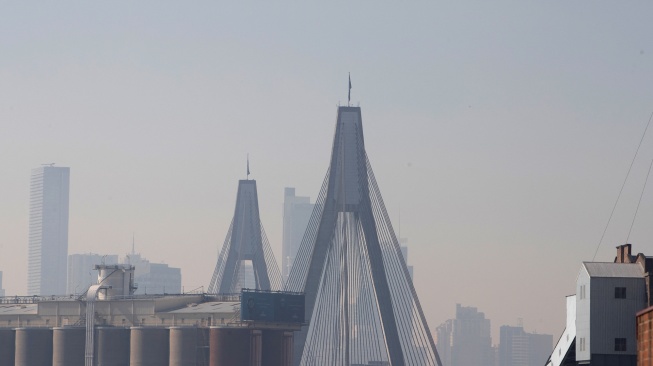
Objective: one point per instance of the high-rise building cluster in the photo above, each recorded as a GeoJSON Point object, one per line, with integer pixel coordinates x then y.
{"type": "Point", "coordinates": [466, 341]}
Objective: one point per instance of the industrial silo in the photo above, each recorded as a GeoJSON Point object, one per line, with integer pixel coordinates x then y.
{"type": "Point", "coordinates": [111, 346]}
{"type": "Point", "coordinates": [68, 346]}
{"type": "Point", "coordinates": [149, 346]}
{"type": "Point", "coordinates": [7, 346]}
{"type": "Point", "coordinates": [189, 346]}
{"type": "Point", "coordinates": [277, 348]}
{"type": "Point", "coordinates": [234, 346]}
{"type": "Point", "coordinates": [28, 341]}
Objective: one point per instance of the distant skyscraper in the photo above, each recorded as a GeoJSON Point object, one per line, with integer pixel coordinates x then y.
{"type": "Point", "coordinates": [81, 272]}
{"type": "Point", "coordinates": [404, 251]}
{"type": "Point", "coordinates": [48, 231]}
{"type": "Point", "coordinates": [154, 278]}
{"type": "Point", "coordinates": [2, 290]}
{"type": "Point", "coordinates": [519, 348]}
{"type": "Point", "coordinates": [296, 214]}
{"type": "Point", "coordinates": [466, 340]}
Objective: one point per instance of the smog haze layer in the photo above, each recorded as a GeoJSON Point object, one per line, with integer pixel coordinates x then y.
{"type": "Point", "coordinates": [500, 134]}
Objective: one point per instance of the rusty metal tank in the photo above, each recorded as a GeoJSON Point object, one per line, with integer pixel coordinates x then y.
{"type": "Point", "coordinates": [234, 346]}
{"type": "Point", "coordinates": [189, 346]}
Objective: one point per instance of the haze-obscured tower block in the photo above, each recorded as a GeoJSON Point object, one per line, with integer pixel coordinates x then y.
{"type": "Point", "coordinates": [81, 270]}
{"type": "Point", "coordinates": [245, 242]}
{"type": "Point", "coordinates": [2, 290]}
{"type": "Point", "coordinates": [465, 340]}
{"type": "Point", "coordinates": [359, 295]}
{"type": "Point", "coordinates": [519, 348]}
{"type": "Point", "coordinates": [296, 214]}
{"type": "Point", "coordinates": [48, 231]}
{"type": "Point", "coordinates": [154, 278]}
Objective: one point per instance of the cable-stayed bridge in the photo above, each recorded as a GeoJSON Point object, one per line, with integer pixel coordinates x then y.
{"type": "Point", "coordinates": [246, 246]}
{"type": "Point", "coordinates": [360, 300]}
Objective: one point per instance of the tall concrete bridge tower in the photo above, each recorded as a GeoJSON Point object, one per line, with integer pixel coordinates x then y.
{"type": "Point", "coordinates": [246, 250]}
{"type": "Point", "coordinates": [360, 299]}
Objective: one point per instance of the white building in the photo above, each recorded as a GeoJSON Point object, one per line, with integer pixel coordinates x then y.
{"type": "Point", "coordinates": [81, 270]}
{"type": "Point", "coordinates": [296, 215]}
{"type": "Point", "coordinates": [601, 317]}
{"type": "Point", "coordinates": [48, 231]}
{"type": "Point", "coordinates": [608, 295]}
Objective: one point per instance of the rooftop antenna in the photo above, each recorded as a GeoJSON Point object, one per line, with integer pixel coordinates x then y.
{"type": "Point", "coordinates": [247, 166]}
{"type": "Point", "coordinates": [349, 93]}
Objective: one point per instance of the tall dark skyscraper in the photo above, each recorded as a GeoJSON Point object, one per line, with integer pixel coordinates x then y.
{"type": "Point", "coordinates": [48, 231]}
{"type": "Point", "coordinates": [296, 214]}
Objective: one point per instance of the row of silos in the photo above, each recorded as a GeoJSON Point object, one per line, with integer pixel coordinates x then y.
{"type": "Point", "coordinates": [146, 346]}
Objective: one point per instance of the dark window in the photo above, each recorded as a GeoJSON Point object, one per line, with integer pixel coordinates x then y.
{"type": "Point", "coordinates": [619, 292]}
{"type": "Point", "coordinates": [620, 344]}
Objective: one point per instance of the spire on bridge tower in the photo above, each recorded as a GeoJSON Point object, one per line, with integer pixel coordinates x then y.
{"type": "Point", "coordinates": [360, 299]}
{"type": "Point", "coordinates": [246, 243]}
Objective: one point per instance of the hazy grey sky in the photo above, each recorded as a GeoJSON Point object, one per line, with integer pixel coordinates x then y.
{"type": "Point", "coordinates": [501, 130]}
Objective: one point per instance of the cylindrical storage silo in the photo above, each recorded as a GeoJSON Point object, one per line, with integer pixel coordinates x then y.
{"type": "Point", "coordinates": [203, 353]}
{"type": "Point", "coordinates": [277, 348]}
{"type": "Point", "coordinates": [149, 346]}
{"type": "Point", "coordinates": [7, 346]}
{"type": "Point", "coordinates": [188, 346]}
{"type": "Point", "coordinates": [111, 346]}
{"type": "Point", "coordinates": [230, 346]}
{"type": "Point", "coordinates": [33, 346]}
{"type": "Point", "coordinates": [68, 346]}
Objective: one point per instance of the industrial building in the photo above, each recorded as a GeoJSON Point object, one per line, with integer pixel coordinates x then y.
{"type": "Point", "coordinates": [48, 230]}
{"type": "Point", "coordinates": [601, 316]}
{"type": "Point", "coordinates": [80, 270]}
{"type": "Point", "coordinates": [110, 325]}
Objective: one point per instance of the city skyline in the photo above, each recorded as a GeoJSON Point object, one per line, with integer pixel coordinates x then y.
{"type": "Point", "coordinates": [502, 132]}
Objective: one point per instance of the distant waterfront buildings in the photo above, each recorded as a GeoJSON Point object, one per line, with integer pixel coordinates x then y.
{"type": "Point", "coordinates": [465, 340]}
{"type": "Point", "coordinates": [81, 272]}
{"type": "Point", "coordinates": [48, 230]}
{"type": "Point", "coordinates": [519, 348]}
{"type": "Point", "coordinates": [297, 212]}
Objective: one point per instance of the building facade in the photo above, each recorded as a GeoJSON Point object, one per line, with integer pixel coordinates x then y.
{"type": "Point", "coordinates": [154, 278]}
{"type": "Point", "coordinates": [520, 348]}
{"type": "Point", "coordinates": [297, 212]}
{"type": "Point", "coordinates": [2, 290]}
{"type": "Point", "coordinates": [466, 340]}
{"type": "Point", "coordinates": [604, 315]}
{"type": "Point", "coordinates": [81, 272]}
{"type": "Point", "coordinates": [48, 230]}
